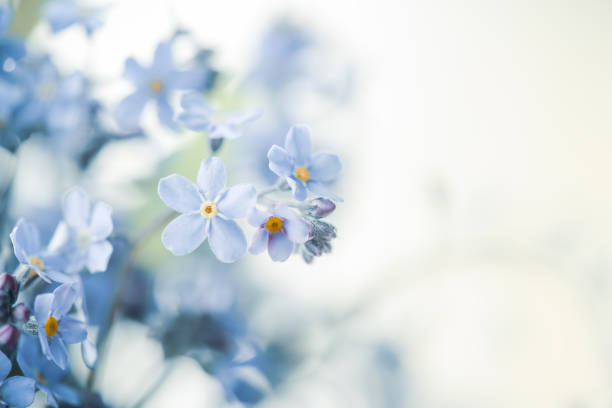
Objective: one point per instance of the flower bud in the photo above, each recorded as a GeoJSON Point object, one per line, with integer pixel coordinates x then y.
{"type": "Point", "coordinates": [8, 284]}
{"type": "Point", "coordinates": [324, 230]}
{"type": "Point", "coordinates": [21, 313]}
{"type": "Point", "coordinates": [320, 207]}
{"type": "Point", "coordinates": [314, 247]}
{"type": "Point", "coordinates": [9, 336]}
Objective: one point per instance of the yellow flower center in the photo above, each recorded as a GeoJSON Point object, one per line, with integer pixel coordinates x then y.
{"type": "Point", "coordinates": [156, 86]}
{"type": "Point", "coordinates": [37, 262]}
{"type": "Point", "coordinates": [274, 224]}
{"type": "Point", "coordinates": [208, 209]}
{"type": "Point", "coordinates": [301, 172]}
{"type": "Point", "coordinates": [51, 326]}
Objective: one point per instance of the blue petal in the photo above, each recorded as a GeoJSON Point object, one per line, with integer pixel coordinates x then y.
{"type": "Point", "coordinates": [67, 394]}
{"type": "Point", "coordinates": [223, 131]}
{"type": "Point", "coordinates": [298, 188]}
{"type": "Point", "coordinates": [211, 178]}
{"type": "Point", "coordinates": [25, 239]}
{"type": "Point", "coordinates": [42, 307]}
{"type": "Point", "coordinates": [44, 344]}
{"type": "Point", "coordinates": [192, 79]}
{"type": "Point", "coordinates": [63, 299]}
{"type": "Point", "coordinates": [72, 330]}
{"type": "Point", "coordinates": [256, 217]}
{"type": "Point", "coordinates": [237, 201]}
{"type": "Point", "coordinates": [18, 391]}
{"type": "Point", "coordinates": [98, 256]}
{"type": "Point", "coordinates": [259, 241]}
{"type": "Point", "coordinates": [59, 354]}
{"type": "Point", "coordinates": [128, 111]}
{"type": "Point", "coordinates": [89, 353]}
{"type": "Point", "coordinates": [165, 113]}
{"type": "Point", "coordinates": [281, 162]}
{"type": "Point", "coordinates": [297, 144]}
{"type": "Point", "coordinates": [298, 230]}
{"type": "Point", "coordinates": [185, 234]}
{"type": "Point", "coordinates": [227, 241]}
{"type": "Point", "coordinates": [279, 247]}
{"type": "Point", "coordinates": [194, 121]}
{"type": "Point", "coordinates": [195, 103]}
{"type": "Point", "coordinates": [101, 223]}
{"type": "Point", "coordinates": [134, 72]}
{"type": "Point", "coordinates": [179, 193]}
{"type": "Point", "coordinates": [51, 401]}
{"type": "Point", "coordinates": [162, 60]}
{"type": "Point", "coordinates": [76, 208]}
{"type": "Point", "coordinates": [5, 366]}
{"type": "Point", "coordinates": [324, 167]}
{"type": "Point", "coordinates": [60, 15]}
{"type": "Point", "coordinates": [321, 190]}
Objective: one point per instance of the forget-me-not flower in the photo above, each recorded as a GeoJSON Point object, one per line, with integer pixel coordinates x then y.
{"type": "Point", "coordinates": [157, 83]}
{"type": "Point", "coordinates": [302, 169]}
{"type": "Point", "coordinates": [277, 231]}
{"type": "Point", "coordinates": [54, 326]}
{"type": "Point", "coordinates": [61, 14]}
{"type": "Point", "coordinates": [16, 391]}
{"type": "Point", "coordinates": [198, 115]}
{"type": "Point", "coordinates": [47, 375]}
{"type": "Point", "coordinates": [208, 210]}
{"type": "Point", "coordinates": [83, 234]}
{"type": "Point", "coordinates": [29, 252]}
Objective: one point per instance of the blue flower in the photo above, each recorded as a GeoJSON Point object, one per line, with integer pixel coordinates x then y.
{"type": "Point", "coordinates": [46, 374]}
{"type": "Point", "coordinates": [155, 83]}
{"type": "Point", "coordinates": [200, 116]}
{"type": "Point", "coordinates": [277, 231]}
{"type": "Point", "coordinates": [29, 252]}
{"type": "Point", "coordinates": [208, 210]}
{"type": "Point", "coordinates": [61, 14]}
{"type": "Point", "coordinates": [82, 235]}
{"type": "Point", "coordinates": [10, 48]}
{"type": "Point", "coordinates": [56, 328]}
{"type": "Point", "coordinates": [303, 170]}
{"type": "Point", "coordinates": [15, 391]}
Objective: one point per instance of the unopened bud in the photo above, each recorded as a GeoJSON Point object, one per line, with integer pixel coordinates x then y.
{"type": "Point", "coordinates": [9, 336]}
{"type": "Point", "coordinates": [320, 207]}
{"type": "Point", "coordinates": [324, 230]}
{"type": "Point", "coordinates": [21, 313]}
{"type": "Point", "coordinates": [9, 285]}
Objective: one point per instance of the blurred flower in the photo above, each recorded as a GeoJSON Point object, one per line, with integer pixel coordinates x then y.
{"type": "Point", "coordinates": [82, 235]}
{"type": "Point", "coordinates": [200, 116]}
{"type": "Point", "coordinates": [26, 245]}
{"type": "Point", "coordinates": [277, 231]}
{"type": "Point", "coordinates": [156, 83]}
{"type": "Point", "coordinates": [300, 168]}
{"type": "Point", "coordinates": [61, 14]}
{"type": "Point", "coordinates": [55, 327]}
{"type": "Point", "coordinates": [16, 391]}
{"type": "Point", "coordinates": [208, 210]}
{"type": "Point", "coordinates": [47, 375]}
{"type": "Point", "coordinates": [11, 49]}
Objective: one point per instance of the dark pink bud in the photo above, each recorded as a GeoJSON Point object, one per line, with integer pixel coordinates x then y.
{"type": "Point", "coordinates": [8, 284]}
{"type": "Point", "coordinates": [21, 313]}
{"type": "Point", "coordinates": [9, 336]}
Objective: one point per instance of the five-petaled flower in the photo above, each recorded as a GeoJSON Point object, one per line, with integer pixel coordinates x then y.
{"type": "Point", "coordinates": [303, 170]}
{"type": "Point", "coordinates": [16, 391]}
{"type": "Point", "coordinates": [277, 231]}
{"type": "Point", "coordinates": [155, 83]}
{"type": "Point", "coordinates": [208, 210]}
{"type": "Point", "coordinates": [54, 326]}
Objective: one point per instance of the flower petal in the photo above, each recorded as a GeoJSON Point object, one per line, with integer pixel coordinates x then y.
{"type": "Point", "coordinates": [195, 103]}
{"type": "Point", "coordinates": [128, 111]}
{"type": "Point", "coordinates": [324, 167]}
{"type": "Point", "coordinates": [237, 201]}
{"type": "Point", "coordinates": [298, 188]}
{"type": "Point", "coordinates": [72, 330]}
{"type": "Point", "coordinates": [59, 354]}
{"type": "Point", "coordinates": [25, 239]}
{"type": "Point", "coordinates": [76, 208]}
{"type": "Point", "coordinates": [67, 394]}
{"type": "Point", "coordinates": [211, 178]}
{"type": "Point", "coordinates": [298, 145]}
{"type": "Point", "coordinates": [280, 162]}
{"type": "Point", "coordinates": [162, 60]}
{"type": "Point", "coordinates": [5, 366]}
{"type": "Point", "coordinates": [42, 307]}
{"type": "Point", "coordinates": [259, 241]}
{"type": "Point", "coordinates": [134, 72]}
{"type": "Point", "coordinates": [193, 121]}
{"type": "Point", "coordinates": [184, 234]}
{"type": "Point", "coordinates": [192, 79]}
{"type": "Point", "coordinates": [44, 344]}
{"type": "Point", "coordinates": [165, 113]}
{"type": "Point", "coordinates": [63, 299]}
{"type": "Point", "coordinates": [89, 353]}
{"type": "Point", "coordinates": [179, 193]}
{"type": "Point", "coordinates": [98, 256]}
{"type": "Point", "coordinates": [257, 217]}
{"type": "Point", "coordinates": [227, 241]}
{"type": "Point", "coordinates": [298, 230]}
{"type": "Point", "coordinates": [320, 189]}
{"type": "Point", "coordinates": [279, 247]}
{"type": "Point", "coordinates": [101, 223]}
{"type": "Point", "coordinates": [18, 391]}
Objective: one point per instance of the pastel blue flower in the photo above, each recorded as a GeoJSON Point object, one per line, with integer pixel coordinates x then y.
{"type": "Point", "coordinates": [156, 83]}
{"type": "Point", "coordinates": [302, 169]}
{"type": "Point", "coordinates": [82, 235]}
{"type": "Point", "coordinates": [47, 375]}
{"type": "Point", "coordinates": [29, 252]}
{"type": "Point", "coordinates": [16, 391]}
{"type": "Point", "coordinates": [54, 326]}
{"type": "Point", "coordinates": [198, 115]}
{"type": "Point", "coordinates": [208, 210]}
{"type": "Point", "coordinates": [277, 231]}
{"type": "Point", "coordinates": [61, 14]}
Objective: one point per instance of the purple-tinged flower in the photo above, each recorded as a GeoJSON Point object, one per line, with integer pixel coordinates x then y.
{"type": "Point", "coordinates": [61, 14]}
{"type": "Point", "coordinates": [54, 326]}
{"type": "Point", "coordinates": [16, 391]}
{"type": "Point", "coordinates": [26, 245]}
{"type": "Point", "coordinates": [277, 231]}
{"type": "Point", "coordinates": [198, 115]}
{"type": "Point", "coordinates": [302, 169]}
{"type": "Point", "coordinates": [208, 210]}
{"type": "Point", "coordinates": [9, 336]}
{"type": "Point", "coordinates": [319, 207]}
{"type": "Point", "coordinates": [82, 237]}
{"type": "Point", "coordinates": [47, 375]}
{"type": "Point", "coordinates": [157, 83]}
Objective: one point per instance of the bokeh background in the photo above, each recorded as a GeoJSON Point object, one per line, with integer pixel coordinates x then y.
{"type": "Point", "coordinates": [472, 267]}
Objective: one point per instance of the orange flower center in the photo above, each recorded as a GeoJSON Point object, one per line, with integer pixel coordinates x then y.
{"type": "Point", "coordinates": [274, 224]}
{"type": "Point", "coordinates": [51, 326]}
{"type": "Point", "coordinates": [301, 172]}
{"type": "Point", "coordinates": [156, 86]}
